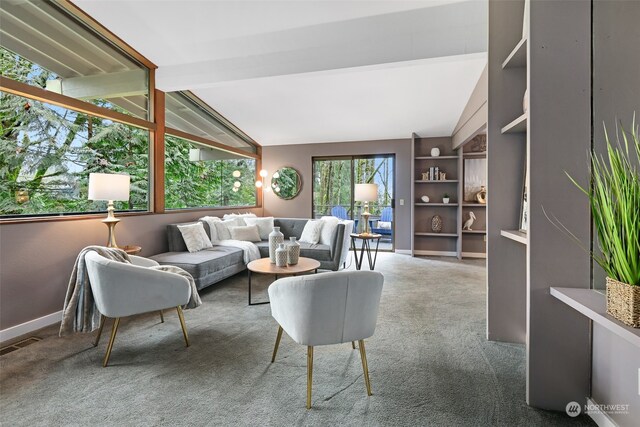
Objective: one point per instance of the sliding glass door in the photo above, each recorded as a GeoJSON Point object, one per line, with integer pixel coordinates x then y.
{"type": "Point", "coordinates": [333, 183]}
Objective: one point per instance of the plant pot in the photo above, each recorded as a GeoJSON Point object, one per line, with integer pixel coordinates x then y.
{"type": "Point", "coordinates": [623, 302]}
{"type": "Point", "coordinates": [445, 200]}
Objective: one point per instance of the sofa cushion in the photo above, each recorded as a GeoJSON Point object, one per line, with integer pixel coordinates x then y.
{"type": "Point", "coordinates": [318, 252]}
{"type": "Point", "coordinates": [203, 263]}
{"type": "Point", "coordinates": [290, 227]}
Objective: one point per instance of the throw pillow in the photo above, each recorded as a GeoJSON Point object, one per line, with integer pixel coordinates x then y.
{"type": "Point", "coordinates": [312, 231]}
{"type": "Point", "coordinates": [385, 225]}
{"type": "Point", "coordinates": [247, 233]}
{"type": "Point", "coordinates": [265, 225]}
{"type": "Point", "coordinates": [239, 218]}
{"type": "Point", "coordinates": [195, 237]}
{"type": "Point", "coordinates": [330, 223]}
{"type": "Point", "coordinates": [222, 228]}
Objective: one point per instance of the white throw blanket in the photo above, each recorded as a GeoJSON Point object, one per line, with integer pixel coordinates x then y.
{"type": "Point", "coordinates": [251, 251]}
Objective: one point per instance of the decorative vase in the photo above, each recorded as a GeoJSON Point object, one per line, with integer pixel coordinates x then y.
{"type": "Point", "coordinates": [435, 152]}
{"type": "Point", "coordinates": [445, 200]}
{"type": "Point", "coordinates": [281, 255]}
{"type": "Point", "coordinates": [275, 238]}
{"type": "Point", "coordinates": [425, 199]}
{"type": "Point", "coordinates": [481, 196]}
{"type": "Point", "coordinates": [436, 224]}
{"type": "Point", "coordinates": [293, 251]}
{"type": "Point", "coordinates": [623, 302]}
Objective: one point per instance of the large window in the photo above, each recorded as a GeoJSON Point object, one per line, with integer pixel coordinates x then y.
{"type": "Point", "coordinates": [200, 176]}
{"type": "Point", "coordinates": [47, 153]}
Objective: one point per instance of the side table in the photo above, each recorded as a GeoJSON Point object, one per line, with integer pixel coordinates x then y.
{"type": "Point", "coordinates": [131, 249]}
{"type": "Point", "coordinates": [366, 247]}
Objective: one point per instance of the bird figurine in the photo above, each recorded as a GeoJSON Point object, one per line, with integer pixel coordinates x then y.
{"type": "Point", "coordinates": [468, 223]}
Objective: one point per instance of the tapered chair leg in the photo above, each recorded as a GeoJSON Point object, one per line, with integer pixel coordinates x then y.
{"type": "Point", "coordinates": [353, 345]}
{"type": "Point", "coordinates": [114, 331]}
{"type": "Point", "coordinates": [184, 327]}
{"type": "Point", "coordinates": [365, 367]}
{"type": "Point", "coordinates": [161, 317]}
{"type": "Point", "coordinates": [309, 374]}
{"type": "Point", "coordinates": [102, 320]}
{"type": "Point", "coordinates": [275, 348]}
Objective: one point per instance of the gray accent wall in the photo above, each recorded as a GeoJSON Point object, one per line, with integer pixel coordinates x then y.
{"type": "Point", "coordinates": [300, 157]}
{"type": "Point", "coordinates": [36, 258]}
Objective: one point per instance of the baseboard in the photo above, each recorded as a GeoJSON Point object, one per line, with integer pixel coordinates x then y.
{"type": "Point", "coordinates": [403, 251]}
{"type": "Point", "coordinates": [598, 416]}
{"type": "Point", "coordinates": [474, 255]}
{"type": "Point", "coordinates": [435, 253]}
{"type": "Point", "coordinates": [30, 326]}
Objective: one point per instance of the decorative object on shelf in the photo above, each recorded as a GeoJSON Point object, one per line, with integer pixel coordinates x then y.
{"type": "Point", "coordinates": [445, 198]}
{"type": "Point", "coordinates": [475, 178]}
{"type": "Point", "coordinates": [286, 183]}
{"type": "Point", "coordinates": [281, 255]}
{"type": "Point", "coordinates": [443, 176]}
{"type": "Point", "coordinates": [110, 187]}
{"type": "Point", "coordinates": [293, 251]}
{"type": "Point", "coordinates": [275, 238]}
{"type": "Point", "coordinates": [481, 196]}
{"type": "Point", "coordinates": [524, 219]}
{"type": "Point", "coordinates": [436, 224]}
{"type": "Point", "coordinates": [425, 176]}
{"type": "Point", "coordinates": [468, 223]}
{"type": "Point", "coordinates": [425, 198]}
{"type": "Point", "coordinates": [614, 197]}
{"type": "Point", "coordinates": [478, 144]}
{"type": "Point", "coordinates": [435, 152]}
{"type": "Point", "coordinates": [525, 101]}
{"type": "Point", "coordinates": [366, 193]}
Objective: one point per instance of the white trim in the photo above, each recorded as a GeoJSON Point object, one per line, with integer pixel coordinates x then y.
{"type": "Point", "coordinates": [403, 251]}
{"type": "Point", "coordinates": [601, 418]}
{"type": "Point", "coordinates": [30, 326]}
{"type": "Point", "coordinates": [474, 255]}
{"type": "Point", "coordinates": [435, 253]}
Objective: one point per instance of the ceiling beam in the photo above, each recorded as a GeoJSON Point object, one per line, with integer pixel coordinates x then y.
{"type": "Point", "coordinates": [426, 33]}
{"type": "Point", "coordinates": [111, 85]}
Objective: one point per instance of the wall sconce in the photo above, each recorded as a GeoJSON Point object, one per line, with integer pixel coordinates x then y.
{"type": "Point", "coordinates": [260, 182]}
{"type": "Point", "coordinates": [22, 196]}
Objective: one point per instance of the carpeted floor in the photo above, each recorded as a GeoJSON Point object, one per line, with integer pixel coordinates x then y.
{"type": "Point", "coordinates": [429, 360]}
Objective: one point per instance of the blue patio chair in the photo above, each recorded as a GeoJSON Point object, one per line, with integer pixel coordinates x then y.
{"type": "Point", "coordinates": [385, 216]}
{"type": "Point", "coordinates": [341, 212]}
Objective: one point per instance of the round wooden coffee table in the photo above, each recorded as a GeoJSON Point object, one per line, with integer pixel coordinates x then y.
{"type": "Point", "coordinates": [264, 266]}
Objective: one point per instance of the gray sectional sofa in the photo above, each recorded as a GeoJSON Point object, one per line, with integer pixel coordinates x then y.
{"type": "Point", "coordinates": [212, 265]}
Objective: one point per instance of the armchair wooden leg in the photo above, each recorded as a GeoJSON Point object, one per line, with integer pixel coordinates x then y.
{"type": "Point", "coordinates": [275, 349]}
{"type": "Point", "coordinates": [114, 331]}
{"type": "Point", "coordinates": [353, 345]}
{"type": "Point", "coordinates": [161, 317]}
{"type": "Point", "coordinates": [102, 320]}
{"type": "Point", "coordinates": [365, 367]}
{"type": "Point", "coordinates": [309, 374]}
{"type": "Point", "coordinates": [184, 327]}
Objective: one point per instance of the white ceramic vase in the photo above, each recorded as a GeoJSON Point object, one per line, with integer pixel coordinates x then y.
{"type": "Point", "coordinates": [281, 255]}
{"type": "Point", "coordinates": [293, 251]}
{"type": "Point", "coordinates": [275, 238]}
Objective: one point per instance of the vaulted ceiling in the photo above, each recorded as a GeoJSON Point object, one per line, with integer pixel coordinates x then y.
{"type": "Point", "coordinates": [291, 72]}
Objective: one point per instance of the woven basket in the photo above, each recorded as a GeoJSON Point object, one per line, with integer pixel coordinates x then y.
{"type": "Point", "coordinates": [623, 302]}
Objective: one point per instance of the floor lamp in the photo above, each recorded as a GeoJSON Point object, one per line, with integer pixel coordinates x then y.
{"type": "Point", "coordinates": [366, 193]}
{"type": "Point", "coordinates": [109, 187]}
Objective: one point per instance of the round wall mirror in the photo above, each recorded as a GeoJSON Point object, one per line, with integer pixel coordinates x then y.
{"type": "Point", "coordinates": [286, 183]}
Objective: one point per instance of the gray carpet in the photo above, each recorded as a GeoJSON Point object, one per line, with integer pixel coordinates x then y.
{"type": "Point", "coordinates": [429, 360]}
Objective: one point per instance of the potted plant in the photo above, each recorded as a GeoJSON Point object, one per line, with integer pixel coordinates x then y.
{"type": "Point", "coordinates": [445, 198]}
{"type": "Point", "coordinates": [614, 198]}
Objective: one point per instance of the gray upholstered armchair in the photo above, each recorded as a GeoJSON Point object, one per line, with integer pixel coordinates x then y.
{"type": "Point", "coordinates": [121, 289]}
{"type": "Point", "coordinates": [327, 308]}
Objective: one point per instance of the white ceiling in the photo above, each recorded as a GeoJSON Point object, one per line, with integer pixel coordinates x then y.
{"type": "Point", "coordinates": [289, 72]}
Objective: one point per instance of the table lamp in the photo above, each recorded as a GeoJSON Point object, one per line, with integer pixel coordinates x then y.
{"type": "Point", "coordinates": [366, 193]}
{"type": "Point", "coordinates": [110, 187]}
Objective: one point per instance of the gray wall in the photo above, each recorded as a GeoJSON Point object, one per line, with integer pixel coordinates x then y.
{"type": "Point", "coordinates": [299, 157]}
{"type": "Point", "coordinates": [616, 95]}
{"type": "Point", "coordinates": [36, 258]}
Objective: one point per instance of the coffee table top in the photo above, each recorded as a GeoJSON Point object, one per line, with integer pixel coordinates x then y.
{"type": "Point", "coordinates": [263, 265]}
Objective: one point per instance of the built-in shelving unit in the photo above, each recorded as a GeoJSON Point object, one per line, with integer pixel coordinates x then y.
{"type": "Point", "coordinates": [473, 242]}
{"type": "Point", "coordinates": [518, 56]}
{"type": "Point", "coordinates": [424, 240]}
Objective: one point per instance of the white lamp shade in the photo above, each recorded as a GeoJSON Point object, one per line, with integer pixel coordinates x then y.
{"type": "Point", "coordinates": [108, 186]}
{"type": "Point", "coordinates": [366, 192]}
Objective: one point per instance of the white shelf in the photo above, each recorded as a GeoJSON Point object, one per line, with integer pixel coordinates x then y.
{"type": "Point", "coordinates": [475, 155]}
{"type": "Point", "coordinates": [515, 235]}
{"type": "Point", "coordinates": [519, 125]}
{"type": "Point", "coordinates": [593, 304]}
{"type": "Point", "coordinates": [474, 205]}
{"type": "Point", "coordinates": [436, 234]}
{"type": "Point", "coordinates": [474, 231]}
{"type": "Point", "coordinates": [518, 56]}
{"type": "Point", "coordinates": [437, 204]}
{"type": "Point", "coordinates": [442, 181]}
{"type": "Point", "coordinates": [436, 157]}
